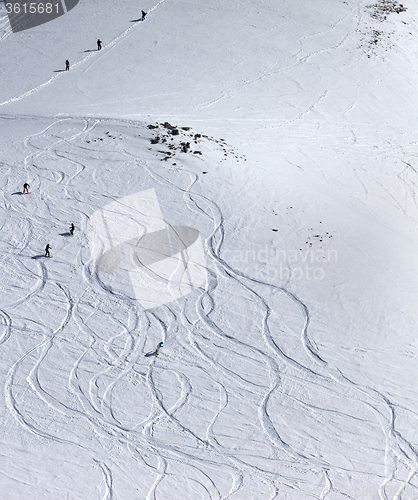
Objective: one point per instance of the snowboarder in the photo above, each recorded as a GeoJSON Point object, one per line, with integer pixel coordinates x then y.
{"type": "Point", "coordinates": [143, 15]}
{"type": "Point", "coordinates": [72, 227]}
{"type": "Point", "coordinates": [67, 65]}
{"type": "Point", "coordinates": [26, 187]}
{"type": "Point", "coordinates": [99, 44]}
{"type": "Point", "coordinates": [47, 249]}
{"type": "Point", "coordinates": [158, 348]}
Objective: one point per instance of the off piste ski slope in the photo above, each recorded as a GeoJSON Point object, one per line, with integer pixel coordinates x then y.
{"type": "Point", "coordinates": [291, 371]}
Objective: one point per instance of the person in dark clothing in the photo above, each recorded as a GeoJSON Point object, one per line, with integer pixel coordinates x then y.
{"type": "Point", "coordinates": [143, 15]}
{"type": "Point", "coordinates": [26, 187]}
{"type": "Point", "coordinates": [157, 351]}
{"type": "Point", "coordinates": [99, 44]}
{"type": "Point", "coordinates": [72, 227]}
{"type": "Point", "coordinates": [67, 65]}
{"type": "Point", "coordinates": [47, 249]}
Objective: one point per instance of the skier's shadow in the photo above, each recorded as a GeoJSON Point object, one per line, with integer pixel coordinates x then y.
{"type": "Point", "coordinates": [91, 50]}
{"type": "Point", "coordinates": [18, 192]}
{"type": "Point", "coordinates": [59, 70]}
{"type": "Point", "coordinates": [65, 234]}
{"type": "Point", "coordinates": [38, 256]}
{"type": "Point", "coordinates": [149, 354]}
{"type": "Point", "coordinates": [136, 20]}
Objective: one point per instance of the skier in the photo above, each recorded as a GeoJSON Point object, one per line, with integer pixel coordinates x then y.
{"type": "Point", "coordinates": [99, 44]}
{"type": "Point", "coordinates": [72, 227]}
{"type": "Point", "coordinates": [158, 348]}
{"type": "Point", "coordinates": [67, 65]}
{"type": "Point", "coordinates": [26, 187]}
{"type": "Point", "coordinates": [143, 15]}
{"type": "Point", "coordinates": [47, 249]}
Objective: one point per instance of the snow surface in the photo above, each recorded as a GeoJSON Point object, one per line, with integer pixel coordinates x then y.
{"type": "Point", "coordinates": [292, 371]}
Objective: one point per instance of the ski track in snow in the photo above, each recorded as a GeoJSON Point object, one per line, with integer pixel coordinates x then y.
{"type": "Point", "coordinates": [295, 60]}
{"type": "Point", "coordinates": [108, 481]}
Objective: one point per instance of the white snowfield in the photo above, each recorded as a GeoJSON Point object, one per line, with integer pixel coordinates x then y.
{"type": "Point", "coordinates": [273, 147]}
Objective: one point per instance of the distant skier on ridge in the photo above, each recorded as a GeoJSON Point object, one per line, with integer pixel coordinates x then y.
{"type": "Point", "coordinates": [143, 15]}
{"type": "Point", "coordinates": [67, 65]}
{"type": "Point", "coordinates": [99, 44]}
{"type": "Point", "coordinates": [72, 227]}
{"type": "Point", "coordinates": [47, 249]}
{"type": "Point", "coordinates": [26, 187]}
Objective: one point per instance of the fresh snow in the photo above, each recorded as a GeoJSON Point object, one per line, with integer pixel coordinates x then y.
{"type": "Point", "coordinates": [289, 371]}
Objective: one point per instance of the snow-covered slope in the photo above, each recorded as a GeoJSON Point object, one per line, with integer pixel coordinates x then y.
{"type": "Point", "coordinates": [291, 371]}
